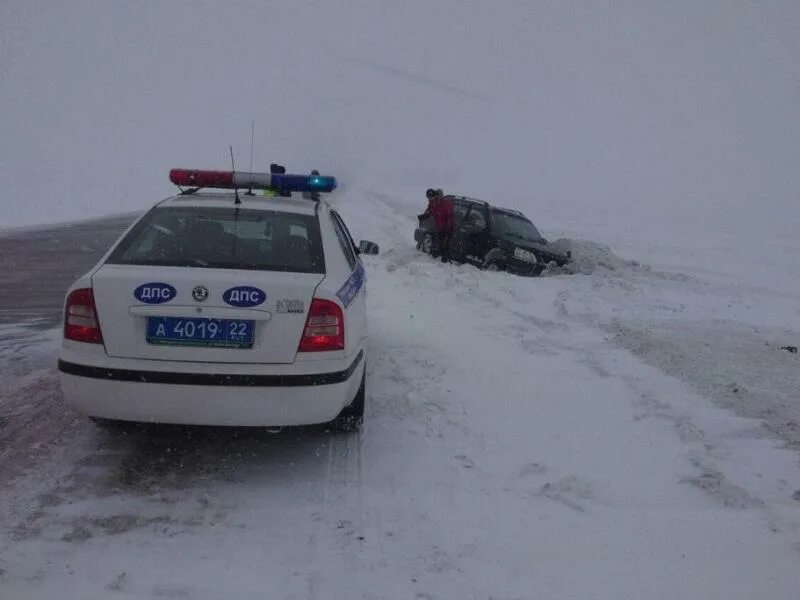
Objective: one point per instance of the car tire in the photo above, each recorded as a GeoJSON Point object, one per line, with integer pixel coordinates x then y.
{"type": "Point", "coordinates": [352, 415]}
{"type": "Point", "coordinates": [426, 245]}
{"type": "Point", "coordinates": [492, 260]}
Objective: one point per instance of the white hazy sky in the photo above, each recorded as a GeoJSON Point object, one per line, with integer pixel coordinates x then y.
{"type": "Point", "coordinates": [626, 109]}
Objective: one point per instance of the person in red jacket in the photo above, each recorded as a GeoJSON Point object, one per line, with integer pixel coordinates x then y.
{"type": "Point", "coordinates": [440, 207]}
{"type": "Point", "coordinates": [445, 221]}
{"type": "Point", "coordinates": [430, 194]}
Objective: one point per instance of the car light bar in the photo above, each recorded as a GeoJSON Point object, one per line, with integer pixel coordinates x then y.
{"type": "Point", "coordinates": [262, 181]}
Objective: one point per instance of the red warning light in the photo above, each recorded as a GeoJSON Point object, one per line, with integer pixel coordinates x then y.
{"type": "Point", "coordinates": [197, 178]}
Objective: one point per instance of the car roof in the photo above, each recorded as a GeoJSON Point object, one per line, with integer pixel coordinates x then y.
{"type": "Point", "coordinates": [509, 211]}
{"type": "Point", "coordinates": [296, 204]}
{"type": "Point", "coordinates": [468, 200]}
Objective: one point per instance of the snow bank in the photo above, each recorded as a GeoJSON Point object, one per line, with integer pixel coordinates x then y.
{"type": "Point", "coordinates": [588, 256]}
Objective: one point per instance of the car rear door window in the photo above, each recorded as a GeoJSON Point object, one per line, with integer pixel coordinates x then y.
{"type": "Point", "coordinates": [459, 210]}
{"type": "Point", "coordinates": [475, 218]}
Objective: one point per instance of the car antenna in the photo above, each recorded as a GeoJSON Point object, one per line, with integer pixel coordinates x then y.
{"type": "Point", "coordinates": [235, 189]}
{"type": "Point", "coordinates": [252, 138]}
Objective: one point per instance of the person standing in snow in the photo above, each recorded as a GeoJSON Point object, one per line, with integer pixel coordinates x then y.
{"type": "Point", "coordinates": [440, 207]}
{"type": "Point", "coordinates": [430, 210]}
{"type": "Point", "coordinates": [430, 194]}
{"type": "Point", "coordinates": [445, 223]}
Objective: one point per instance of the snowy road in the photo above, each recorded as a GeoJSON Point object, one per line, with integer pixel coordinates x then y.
{"type": "Point", "coordinates": [625, 433]}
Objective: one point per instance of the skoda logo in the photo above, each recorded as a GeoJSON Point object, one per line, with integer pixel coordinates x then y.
{"type": "Point", "coordinates": [200, 293]}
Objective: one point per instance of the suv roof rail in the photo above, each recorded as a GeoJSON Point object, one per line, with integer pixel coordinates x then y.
{"type": "Point", "coordinates": [510, 211]}
{"type": "Point", "coordinates": [468, 199]}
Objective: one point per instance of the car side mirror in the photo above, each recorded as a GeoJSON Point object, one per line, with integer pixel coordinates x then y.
{"type": "Point", "coordinates": [366, 247]}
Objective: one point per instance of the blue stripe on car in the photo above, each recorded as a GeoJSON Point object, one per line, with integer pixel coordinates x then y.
{"type": "Point", "coordinates": [352, 286]}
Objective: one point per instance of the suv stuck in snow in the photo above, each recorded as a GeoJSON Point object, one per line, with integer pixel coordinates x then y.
{"type": "Point", "coordinates": [493, 238]}
{"type": "Point", "coordinates": [216, 309]}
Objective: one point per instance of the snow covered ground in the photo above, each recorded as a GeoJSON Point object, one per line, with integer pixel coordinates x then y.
{"type": "Point", "coordinates": [627, 432]}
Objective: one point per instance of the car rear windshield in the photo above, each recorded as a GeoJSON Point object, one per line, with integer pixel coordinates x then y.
{"type": "Point", "coordinates": [515, 226]}
{"type": "Point", "coordinates": [223, 238]}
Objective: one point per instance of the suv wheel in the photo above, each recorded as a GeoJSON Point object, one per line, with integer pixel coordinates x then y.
{"type": "Point", "coordinates": [493, 260]}
{"type": "Point", "coordinates": [427, 244]}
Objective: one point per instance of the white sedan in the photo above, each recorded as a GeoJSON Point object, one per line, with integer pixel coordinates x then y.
{"type": "Point", "coordinates": [224, 309]}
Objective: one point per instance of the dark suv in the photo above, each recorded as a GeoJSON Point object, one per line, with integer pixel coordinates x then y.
{"type": "Point", "coordinates": [493, 238]}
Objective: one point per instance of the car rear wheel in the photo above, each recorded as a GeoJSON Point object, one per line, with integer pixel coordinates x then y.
{"type": "Point", "coordinates": [352, 416]}
{"type": "Point", "coordinates": [427, 244]}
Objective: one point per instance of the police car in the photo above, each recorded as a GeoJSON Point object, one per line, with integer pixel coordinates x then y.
{"type": "Point", "coordinates": [224, 308]}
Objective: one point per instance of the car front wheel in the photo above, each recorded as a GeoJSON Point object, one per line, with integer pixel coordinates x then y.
{"type": "Point", "coordinates": [493, 260]}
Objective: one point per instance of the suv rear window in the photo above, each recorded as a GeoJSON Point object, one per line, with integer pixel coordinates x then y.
{"type": "Point", "coordinates": [223, 238]}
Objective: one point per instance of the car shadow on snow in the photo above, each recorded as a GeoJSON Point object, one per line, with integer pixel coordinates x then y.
{"type": "Point", "coordinates": [171, 479]}
{"type": "Point", "coordinates": [145, 459]}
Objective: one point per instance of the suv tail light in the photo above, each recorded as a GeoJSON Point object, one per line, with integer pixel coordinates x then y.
{"type": "Point", "coordinates": [324, 328]}
{"type": "Point", "coordinates": [80, 318]}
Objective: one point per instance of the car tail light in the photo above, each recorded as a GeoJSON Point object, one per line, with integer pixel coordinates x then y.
{"type": "Point", "coordinates": [324, 328]}
{"type": "Point", "coordinates": [80, 318]}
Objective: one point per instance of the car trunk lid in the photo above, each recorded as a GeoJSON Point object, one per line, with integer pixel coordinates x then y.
{"type": "Point", "coordinates": [133, 300]}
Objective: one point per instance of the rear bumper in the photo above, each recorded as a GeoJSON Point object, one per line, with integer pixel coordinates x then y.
{"type": "Point", "coordinates": [208, 398]}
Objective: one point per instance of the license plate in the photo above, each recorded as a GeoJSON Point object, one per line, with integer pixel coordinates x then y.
{"type": "Point", "coordinates": [210, 333]}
